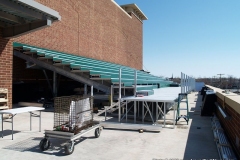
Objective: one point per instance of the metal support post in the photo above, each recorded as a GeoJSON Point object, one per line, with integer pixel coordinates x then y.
{"type": "Point", "coordinates": [40, 121]}
{"type": "Point", "coordinates": [135, 83]}
{"type": "Point", "coordinates": [185, 84]}
{"type": "Point", "coordinates": [30, 121]}
{"type": "Point", "coordinates": [181, 82]}
{"type": "Point", "coordinates": [174, 115]}
{"type": "Point", "coordinates": [2, 125]}
{"type": "Point", "coordinates": [85, 89]}
{"type": "Point", "coordinates": [152, 108]}
{"type": "Point", "coordinates": [135, 94]}
{"type": "Point", "coordinates": [54, 84]}
{"type": "Point", "coordinates": [91, 90]}
{"type": "Point", "coordinates": [111, 95]}
{"type": "Point", "coordinates": [119, 99]}
{"type": "Point", "coordinates": [12, 127]}
{"type": "Point", "coordinates": [142, 112]}
{"type": "Point", "coordinates": [164, 114]}
{"type": "Point", "coordinates": [105, 108]}
{"type": "Point", "coordinates": [134, 111]}
{"type": "Point", "coordinates": [138, 108]}
{"type": "Point", "coordinates": [126, 110]}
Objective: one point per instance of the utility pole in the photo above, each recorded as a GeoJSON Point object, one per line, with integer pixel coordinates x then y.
{"type": "Point", "coordinates": [220, 76]}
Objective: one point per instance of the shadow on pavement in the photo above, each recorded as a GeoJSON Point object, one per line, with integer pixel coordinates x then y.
{"type": "Point", "coordinates": [32, 145]}
{"type": "Point", "coordinates": [200, 142]}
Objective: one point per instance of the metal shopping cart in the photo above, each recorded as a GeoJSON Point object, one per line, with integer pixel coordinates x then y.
{"type": "Point", "coordinates": [73, 118]}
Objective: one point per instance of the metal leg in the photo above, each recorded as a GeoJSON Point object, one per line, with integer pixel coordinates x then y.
{"type": "Point", "coordinates": [138, 109]}
{"type": "Point", "coordinates": [39, 121]}
{"type": "Point", "coordinates": [156, 111]}
{"type": "Point", "coordinates": [12, 127]}
{"type": "Point", "coordinates": [119, 111]}
{"type": "Point", "coordinates": [30, 121]}
{"type": "Point", "coordinates": [164, 114]}
{"type": "Point", "coordinates": [2, 125]}
{"type": "Point", "coordinates": [142, 113]}
{"type": "Point", "coordinates": [134, 111]}
{"type": "Point", "coordinates": [126, 111]}
{"type": "Point", "coordinates": [174, 116]}
{"type": "Point", "coordinates": [105, 108]}
{"type": "Point", "coordinates": [152, 108]}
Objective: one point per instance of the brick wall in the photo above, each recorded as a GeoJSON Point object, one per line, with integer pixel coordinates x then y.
{"type": "Point", "coordinates": [231, 127]}
{"type": "Point", "coordinates": [6, 66]}
{"type": "Point", "coordinates": [95, 29]}
{"type": "Point", "coordinates": [20, 73]}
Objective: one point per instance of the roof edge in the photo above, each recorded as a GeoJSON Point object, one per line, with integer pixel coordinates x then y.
{"type": "Point", "coordinates": [41, 7]}
{"type": "Point", "coordinates": [135, 9]}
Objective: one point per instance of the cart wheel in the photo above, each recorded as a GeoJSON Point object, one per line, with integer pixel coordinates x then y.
{"type": "Point", "coordinates": [44, 144]}
{"type": "Point", "coordinates": [140, 130]}
{"type": "Point", "coordinates": [97, 132]}
{"type": "Point", "coordinates": [69, 148]}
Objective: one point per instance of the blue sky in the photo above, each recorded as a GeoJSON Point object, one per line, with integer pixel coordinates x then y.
{"type": "Point", "coordinates": [200, 38]}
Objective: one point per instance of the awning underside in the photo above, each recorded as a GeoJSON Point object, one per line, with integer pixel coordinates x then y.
{"type": "Point", "coordinates": [96, 69]}
{"type": "Point", "coordinates": [22, 16]}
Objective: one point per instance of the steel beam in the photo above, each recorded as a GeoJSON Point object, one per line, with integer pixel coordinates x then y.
{"type": "Point", "coordinates": [17, 30]}
{"type": "Point", "coordinates": [11, 18]}
{"type": "Point", "coordinates": [23, 10]}
{"type": "Point", "coordinates": [4, 24]}
{"type": "Point", "coordinates": [63, 72]}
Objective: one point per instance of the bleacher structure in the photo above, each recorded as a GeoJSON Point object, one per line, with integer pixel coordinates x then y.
{"type": "Point", "coordinates": [99, 74]}
{"type": "Point", "coordinates": [224, 148]}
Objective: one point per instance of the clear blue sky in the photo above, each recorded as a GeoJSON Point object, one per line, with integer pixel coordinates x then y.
{"type": "Point", "coordinates": [200, 38]}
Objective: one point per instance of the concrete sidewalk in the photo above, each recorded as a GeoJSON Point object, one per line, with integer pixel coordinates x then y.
{"type": "Point", "coordinates": [192, 141]}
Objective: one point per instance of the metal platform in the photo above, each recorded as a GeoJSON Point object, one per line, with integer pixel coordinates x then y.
{"type": "Point", "coordinates": [131, 126]}
{"type": "Point", "coordinates": [167, 96]}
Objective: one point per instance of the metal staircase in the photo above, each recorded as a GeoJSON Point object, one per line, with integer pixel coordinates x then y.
{"type": "Point", "coordinates": [112, 108]}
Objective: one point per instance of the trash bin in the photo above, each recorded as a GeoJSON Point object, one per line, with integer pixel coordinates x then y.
{"type": "Point", "coordinates": [208, 105]}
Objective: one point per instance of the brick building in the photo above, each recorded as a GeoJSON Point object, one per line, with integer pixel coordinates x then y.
{"type": "Point", "coordinates": [100, 30]}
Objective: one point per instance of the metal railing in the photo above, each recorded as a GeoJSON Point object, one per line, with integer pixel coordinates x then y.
{"type": "Point", "coordinates": [187, 83]}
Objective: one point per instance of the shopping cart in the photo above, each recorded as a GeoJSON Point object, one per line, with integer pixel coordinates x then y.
{"type": "Point", "coordinates": [73, 118]}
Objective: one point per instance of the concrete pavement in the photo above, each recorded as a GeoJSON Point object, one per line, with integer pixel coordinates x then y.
{"type": "Point", "coordinates": [192, 141]}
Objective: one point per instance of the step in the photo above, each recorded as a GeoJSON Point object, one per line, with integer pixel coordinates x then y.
{"type": "Point", "coordinates": [182, 109]}
{"type": "Point", "coordinates": [183, 101]}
